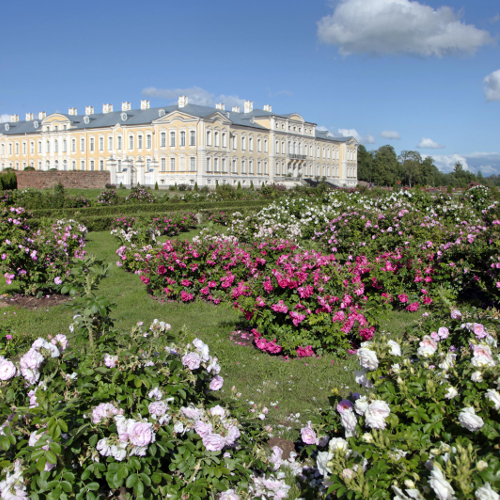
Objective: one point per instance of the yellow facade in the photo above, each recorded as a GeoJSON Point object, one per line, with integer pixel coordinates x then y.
{"type": "Point", "coordinates": [180, 144]}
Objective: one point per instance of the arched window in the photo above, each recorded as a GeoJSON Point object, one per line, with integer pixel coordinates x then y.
{"type": "Point", "coordinates": [130, 142]}
{"type": "Point", "coordinates": [65, 165]}
{"type": "Point", "coordinates": [65, 147]}
{"type": "Point", "coordinates": [110, 143]}
{"type": "Point", "coordinates": [56, 147]}
{"type": "Point", "coordinates": [163, 163]}
{"type": "Point", "coordinates": [139, 141]}
{"type": "Point", "coordinates": [172, 139]}
{"type": "Point", "coordinates": [101, 143]}
{"type": "Point", "coordinates": [182, 138]}
{"type": "Point", "coordinates": [149, 141]}
{"type": "Point", "coordinates": [92, 146]}
{"type": "Point", "coordinates": [73, 146]}
{"type": "Point", "coordinates": [163, 140]}
{"type": "Point", "coordinates": [192, 138]}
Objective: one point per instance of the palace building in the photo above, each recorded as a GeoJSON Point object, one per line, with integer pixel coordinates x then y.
{"type": "Point", "coordinates": [181, 144]}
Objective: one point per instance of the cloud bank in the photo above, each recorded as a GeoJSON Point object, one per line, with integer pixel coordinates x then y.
{"type": "Point", "coordinates": [380, 27]}
{"type": "Point", "coordinates": [487, 163]}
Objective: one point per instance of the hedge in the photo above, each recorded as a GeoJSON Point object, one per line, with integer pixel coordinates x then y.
{"type": "Point", "coordinates": [104, 223]}
{"type": "Point", "coordinates": [116, 210]}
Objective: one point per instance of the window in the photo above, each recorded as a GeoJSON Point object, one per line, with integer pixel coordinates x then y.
{"type": "Point", "coordinates": [91, 164]}
{"type": "Point", "coordinates": [182, 164]}
{"type": "Point", "coordinates": [65, 146]}
{"type": "Point", "coordinates": [17, 148]}
{"type": "Point", "coordinates": [39, 147]}
{"type": "Point", "coordinates": [224, 140]}
{"type": "Point", "coordinates": [56, 146]}
{"type": "Point", "coordinates": [192, 138]}
{"type": "Point", "coordinates": [266, 149]}
{"type": "Point", "coordinates": [183, 138]}
{"type": "Point", "coordinates": [65, 165]}
{"type": "Point", "coordinates": [82, 164]}
{"type": "Point", "coordinates": [277, 169]}
{"type": "Point", "coordinates": [328, 153]}
{"type": "Point", "coordinates": [209, 138]}
{"type": "Point", "coordinates": [243, 167]}
{"type": "Point", "coordinates": [216, 164]}
{"type": "Point", "coordinates": [130, 142]}
{"type": "Point", "coordinates": [119, 143]}
{"type": "Point", "coordinates": [39, 165]}
{"type": "Point", "coordinates": [235, 142]}
{"type": "Point", "coordinates": [101, 164]}
{"type": "Point", "coordinates": [216, 139]}
{"type": "Point", "coordinates": [265, 168]}
{"type": "Point", "coordinates": [149, 141]}
{"type": "Point", "coordinates": [243, 143]}
{"type": "Point", "coordinates": [101, 143]}
{"type": "Point", "coordinates": [24, 165]}
{"type": "Point", "coordinates": [163, 164]}
{"type": "Point", "coordinates": [17, 165]}
{"type": "Point", "coordinates": [47, 147]}
{"type": "Point", "coordinates": [250, 166]}
{"type": "Point", "coordinates": [163, 140]}
{"type": "Point", "coordinates": [24, 148]}
{"type": "Point", "coordinates": [277, 147]}
{"type": "Point", "coordinates": [82, 144]}
{"type": "Point", "coordinates": [73, 146]}
{"type": "Point", "coordinates": [2, 149]}
{"type": "Point", "coordinates": [317, 152]}
{"type": "Point", "coordinates": [91, 146]}
{"type": "Point", "coordinates": [192, 164]}
{"type": "Point", "coordinates": [73, 165]}
{"type": "Point", "coordinates": [324, 155]}
{"type": "Point", "coordinates": [209, 164]}
{"type": "Point", "coordinates": [172, 164]}
{"type": "Point", "coordinates": [32, 148]}
{"type": "Point", "coordinates": [172, 139]}
{"type": "Point", "coordinates": [139, 142]}
{"type": "Point", "coordinates": [56, 127]}
{"type": "Point", "coordinates": [119, 165]}
{"type": "Point", "coordinates": [64, 127]}
{"type": "Point", "coordinates": [250, 144]}
{"type": "Point", "coordinates": [259, 145]}
{"type": "Point", "coordinates": [283, 150]}
{"type": "Point", "coordinates": [235, 166]}
{"type": "Point", "coordinates": [110, 143]}
{"type": "Point", "coordinates": [223, 161]}
{"type": "Point", "coordinates": [259, 167]}
{"type": "Point", "coordinates": [47, 165]}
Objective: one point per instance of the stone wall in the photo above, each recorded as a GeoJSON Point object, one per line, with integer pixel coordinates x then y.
{"type": "Point", "coordinates": [71, 179]}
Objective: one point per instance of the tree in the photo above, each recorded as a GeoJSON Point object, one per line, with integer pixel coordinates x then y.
{"type": "Point", "coordinates": [385, 166]}
{"type": "Point", "coordinates": [365, 164]}
{"type": "Point", "coordinates": [411, 163]}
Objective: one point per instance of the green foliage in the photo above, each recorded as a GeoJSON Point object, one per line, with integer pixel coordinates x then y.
{"type": "Point", "coordinates": [156, 186]}
{"type": "Point", "coordinates": [8, 180]}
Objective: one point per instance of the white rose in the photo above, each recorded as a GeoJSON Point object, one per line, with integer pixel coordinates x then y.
{"type": "Point", "coordinates": [427, 348]}
{"type": "Point", "coordinates": [396, 368]}
{"type": "Point", "coordinates": [451, 393]}
{"type": "Point", "coordinates": [361, 379]}
{"type": "Point", "coordinates": [494, 397]}
{"type": "Point", "coordinates": [376, 413]}
{"type": "Point", "coordinates": [469, 420]}
{"type": "Point", "coordinates": [178, 427]}
{"type": "Point", "coordinates": [338, 444]}
{"type": "Point", "coordinates": [367, 359]}
{"type": "Point", "coordinates": [348, 420]}
{"type": "Point", "coordinates": [361, 404]}
{"type": "Point", "coordinates": [395, 348]}
{"type": "Point", "coordinates": [477, 377]}
{"type": "Point", "coordinates": [448, 361]}
{"type": "Point", "coordinates": [7, 370]}
{"type": "Point", "coordinates": [441, 487]}
{"type": "Point", "coordinates": [486, 493]}
{"type": "Point", "coordinates": [321, 463]}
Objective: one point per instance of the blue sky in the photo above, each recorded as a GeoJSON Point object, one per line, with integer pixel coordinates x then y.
{"type": "Point", "coordinates": [425, 71]}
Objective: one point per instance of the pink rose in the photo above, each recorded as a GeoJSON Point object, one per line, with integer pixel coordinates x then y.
{"type": "Point", "coordinates": [110, 361]}
{"type": "Point", "coordinates": [213, 442]}
{"type": "Point", "coordinates": [141, 433]}
{"type": "Point", "coordinates": [192, 360]}
{"type": "Point", "coordinates": [216, 383]}
{"type": "Point", "coordinates": [344, 405]}
{"type": "Point", "coordinates": [32, 360]}
{"type": "Point", "coordinates": [157, 409]}
{"type": "Point", "coordinates": [443, 332]}
{"type": "Point", "coordinates": [232, 435]}
{"type": "Point", "coordinates": [61, 340]}
{"type": "Point", "coordinates": [456, 314]}
{"type": "Point", "coordinates": [202, 428]}
{"type": "Point", "coordinates": [308, 435]}
{"type": "Point", "coordinates": [191, 413]}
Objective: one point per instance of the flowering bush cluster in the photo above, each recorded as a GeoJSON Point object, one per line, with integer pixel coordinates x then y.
{"type": "Point", "coordinates": [139, 194]}
{"type": "Point", "coordinates": [37, 261]}
{"type": "Point", "coordinates": [175, 223]}
{"type": "Point", "coordinates": [427, 424]}
{"type": "Point", "coordinates": [108, 197]}
{"type": "Point", "coordinates": [134, 415]}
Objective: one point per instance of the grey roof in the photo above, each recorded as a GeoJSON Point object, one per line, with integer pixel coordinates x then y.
{"type": "Point", "coordinates": [144, 116]}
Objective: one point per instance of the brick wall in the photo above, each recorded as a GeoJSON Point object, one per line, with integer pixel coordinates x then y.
{"type": "Point", "coordinates": [42, 180]}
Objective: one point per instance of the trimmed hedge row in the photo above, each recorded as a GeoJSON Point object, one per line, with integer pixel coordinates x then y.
{"type": "Point", "coordinates": [104, 223]}
{"type": "Point", "coordinates": [107, 211]}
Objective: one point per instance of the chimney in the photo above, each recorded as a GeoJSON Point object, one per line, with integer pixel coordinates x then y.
{"type": "Point", "coordinates": [72, 111]}
{"type": "Point", "coordinates": [126, 106]}
{"type": "Point", "coordinates": [29, 117]}
{"type": "Point", "coordinates": [248, 106]}
{"type": "Point", "coordinates": [235, 109]}
{"type": "Point", "coordinates": [268, 107]}
{"type": "Point", "coordinates": [89, 110]}
{"type": "Point", "coordinates": [144, 104]}
{"type": "Point", "coordinates": [42, 115]}
{"type": "Point", "coordinates": [14, 118]}
{"type": "Point", "coordinates": [220, 105]}
{"type": "Point", "coordinates": [183, 100]}
{"type": "Point", "coordinates": [107, 108]}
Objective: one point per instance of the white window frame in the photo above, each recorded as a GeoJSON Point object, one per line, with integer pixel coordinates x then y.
{"type": "Point", "coordinates": [192, 137]}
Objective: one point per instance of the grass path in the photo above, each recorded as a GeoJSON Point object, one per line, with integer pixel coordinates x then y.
{"type": "Point", "coordinates": [294, 386]}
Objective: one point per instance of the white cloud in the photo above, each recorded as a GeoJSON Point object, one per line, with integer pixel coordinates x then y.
{"type": "Point", "coordinates": [487, 163]}
{"type": "Point", "coordinates": [196, 95]}
{"type": "Point", "coordinates": [390, 134]}
{"type": "Point", "coordinates": [426, 143]}
{"type": "Point", "coordinates": [493, 20]}
{"type": "Point", "coordinates": [380, 27]}
{"type": "Point", "coordinates": [4, 118]}
{"type": "Point", "coordinates": [280, 92]}
{"type": "Point", "coordinates": [492, 86]}
{"type": "Point", "coordinates": [352, 132]}
{"type": "Point", "coordinates": [369, 139]}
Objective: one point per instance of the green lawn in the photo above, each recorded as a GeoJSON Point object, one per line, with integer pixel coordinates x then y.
{"type": "Point", "coordinates": [295, 386]}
